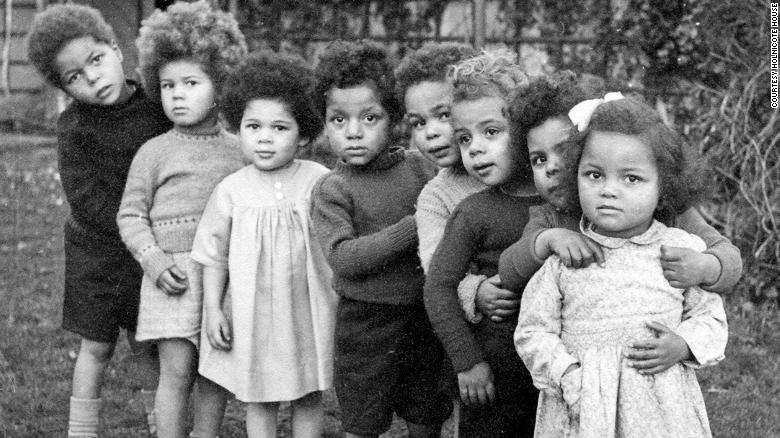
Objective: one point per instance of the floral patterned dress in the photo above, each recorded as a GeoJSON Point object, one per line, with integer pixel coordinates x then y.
{"type": "Point", "coordinates": [591, 315]}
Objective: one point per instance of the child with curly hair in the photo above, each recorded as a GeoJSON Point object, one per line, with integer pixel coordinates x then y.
{"type": "Point", "coordinates": [540, 114]}
{"type": "Point", "coordinates": [387, 358]}
{"type": "Point", "coordinates": [614, 346]}
{"type": "Point", "coordinates": [98, 134]}
{"type": "Point", "coordinates": [274, 339]}
{"type": "Point", "coordinates": [185, 54]}
{"type": "Point", "coordinates": [499, 397]}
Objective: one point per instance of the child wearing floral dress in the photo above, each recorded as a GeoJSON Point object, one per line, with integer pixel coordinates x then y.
{"type": "Point", "coordinates": [582, 331]}
{"type": "Point", "coordinates": [185, 54]}
{"type": "Point", "coordinates": [269, 335]}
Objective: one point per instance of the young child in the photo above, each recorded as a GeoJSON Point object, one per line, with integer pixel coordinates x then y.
{"type": "Point", "coordinates": [185, 55]}
{"type": "Point", "coordinates": [387, 358]}
{"type": "Point", "coordinates": [110, 117]}
{"type": "Point", "coordinates": [541, 115]}
{"type": "Point", "coordinates": [499, 397]}
{"type": "Point", "coordinates": [580, 330]}
{"type": "Point", "coordinates": [277, 343]}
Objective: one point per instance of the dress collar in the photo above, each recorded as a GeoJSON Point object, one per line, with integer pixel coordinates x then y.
{"type": "Point", "coordinates": [652, 235]}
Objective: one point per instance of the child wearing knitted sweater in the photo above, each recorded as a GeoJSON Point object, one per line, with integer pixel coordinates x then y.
{"type": "Point", "coordinates": [185, 54]}
{"type": "Point", "coordinates": [387, 358]}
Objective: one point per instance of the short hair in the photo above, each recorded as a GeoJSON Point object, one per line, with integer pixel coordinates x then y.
{"type": "Point", "coordinates": [346, 64]}
{"type": "Point", "coordinates": [493, 73]}
{"type": "Point", "coordinates": [429, 63]}
{"type": "Point", "coordinates": [268, 75]}
{"type": "Point", "coordinates": [191, 31]}
{"type": "Point", "coordinates": [681, 171]}
{"type": "Point", "coordinates": [56, 26]}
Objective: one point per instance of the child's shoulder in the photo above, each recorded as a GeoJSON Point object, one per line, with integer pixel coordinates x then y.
{"type": "Point", "coordinates": [312, 167]}
{"type": "Point", "coordinates": [427, 167]}
{"type": "Point", "coordinates": [677, 237]}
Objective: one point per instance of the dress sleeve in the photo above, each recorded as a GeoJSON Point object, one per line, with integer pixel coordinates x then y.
{"type": "Point", "coordinates": [703, 327]}
{"type": "Point", "coordinates": [728, 255]}
{"type": "Point", "coordinates": [519, 262]}
{"type": "Point", "coordinates": [212, 239]}
{"type": "Point", "coordinates": [449, 264]}
{"type": "Point", "coordinates": [348, 254]}
{"type": "Point", "coordinates": [538, 333]}
{"type": "Point", "coordinates": [133, 218]}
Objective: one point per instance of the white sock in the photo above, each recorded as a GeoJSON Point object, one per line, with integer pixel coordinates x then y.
{"type": "Point", "coordinates": [84, 417]}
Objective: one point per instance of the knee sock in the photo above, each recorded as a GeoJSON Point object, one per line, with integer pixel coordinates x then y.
{"type": "Point", "coordinates": [147, 398]}
{"type": "Point", "coordinates": [84, 417]}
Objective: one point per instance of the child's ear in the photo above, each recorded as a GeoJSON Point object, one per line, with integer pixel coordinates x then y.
{"type": "Point", "coordinates": [115, 47]}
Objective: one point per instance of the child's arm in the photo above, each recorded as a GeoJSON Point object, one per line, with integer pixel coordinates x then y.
{"type": "Point", "coordinates": [717, 269]}
{"type": "Point", "coordinates": [537, 337]}
{"type": "Point", "coordinates": [348, 254]}
{"type": "Point", "coordinates": [135, 225]}
{"type": "Point", "coordinates": [210, 249]}
{"type": "Point", "coordinates": [449, 264]}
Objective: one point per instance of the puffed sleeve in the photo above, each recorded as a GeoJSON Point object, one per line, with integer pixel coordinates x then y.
{"type": "Point", "coordinates": [538, 332]}
{"type": "Point", "coordinates": [212, 239]}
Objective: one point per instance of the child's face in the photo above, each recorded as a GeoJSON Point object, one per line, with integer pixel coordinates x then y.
{"type": "Point", "coordinates": [481, 131]}
{"type": "Point", "coordinates": [546, 160]}
{"type": "Point", "coordinates": [428, 106]}
{"type": "Point", "coordinates": [618, 184]}
{"type": "Point", "coordinates": [187, 94]}
{"type": "Point", "coordinates": [269, 134]}
{"type": "Point", "coordinates": [91, 71]}
{"type": "Point", "coordinates": [356, 124]}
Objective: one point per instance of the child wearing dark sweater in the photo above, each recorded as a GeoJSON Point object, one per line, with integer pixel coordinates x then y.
{"type": "Point", "coordinates": [387, 358]}
{"type": "Point", "coordinates": [499, 397]}
{"type": "Point", "coordinates": [98, 134]}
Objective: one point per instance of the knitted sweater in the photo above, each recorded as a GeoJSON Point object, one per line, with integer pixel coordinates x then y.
{"type": "Point", "coordinates": [95, 146]}
{"type": "Point", "coordinates": [169, 183]}
{"type": "Point", "coordinates": [480, 228]}
{"type": "Point", "coordinates": [363, 217]}
{"type": "Point", "coordinates": [519, 262]}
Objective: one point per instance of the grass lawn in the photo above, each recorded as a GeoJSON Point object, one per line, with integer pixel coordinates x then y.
{"type": "Point", "coordinates": [36, 356]}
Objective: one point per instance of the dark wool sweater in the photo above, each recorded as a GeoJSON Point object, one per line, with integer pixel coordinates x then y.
{"type": "Point", "coordinates": [96, 145]}
{"type": "Point", "coordinates": [363, 217]}
{"type": "Point", "coordinates": [480, 228]}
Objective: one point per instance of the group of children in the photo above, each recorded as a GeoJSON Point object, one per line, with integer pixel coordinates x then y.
{"type": "Point", "coordinates": [526, 245]}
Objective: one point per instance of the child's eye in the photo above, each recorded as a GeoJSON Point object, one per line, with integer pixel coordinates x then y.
{"type": "Point", "coordinates": [371, 118]}
{"type": "Point", "coordinates": [538, 160]}
{"type": "Point", "coordinates": [166, 85]}
{"type": "Point", "coordinates": [337, 119]}
{"type": "Point", "coordinates": [464, 139]}
{"type": "Point", "coordinates": [280, 128]}
{"type": "Point", "coordinates": [417, 123]}
{"type": "Point", "coordinates": [72, 78]}
{"type": "Point", "coordinates": [490, 132]}
{"type": "Point", "coordinates": [633, 179]}
{"type": "Point", "coordinates": [592, 174]}
{"type": "Point", "coordinates": [191, 82]}
{"type": "Point", "coordinates": [252, 126]}
{"type": "Point", "coordinates": [97, 58]}
{"type": "Point", "coordinates": [444, 116]}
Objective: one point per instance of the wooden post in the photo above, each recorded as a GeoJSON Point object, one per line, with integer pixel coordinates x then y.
{"type": "Point", "coordinates": [5, 79]}
{"type": "Point", "coordinates": [478, 8]}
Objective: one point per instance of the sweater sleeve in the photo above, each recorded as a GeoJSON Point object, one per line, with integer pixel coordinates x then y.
{"type": "Point", "coordinates": [538, 333]}
{"type": "Point", "coordinates": [84, 188]}
{"type": "Point", "coordinates": [133, 218]}
{"type": "Point", "coordinates": [727, 254]}
{"type": "Point", "coordinates": [449, 264]}
{"type": "Point", "coordinates": [348, 254]}
{"type": "Point", "coordinates": [519, 262]}
{"type": "Point", "coordinates": [431, 217]}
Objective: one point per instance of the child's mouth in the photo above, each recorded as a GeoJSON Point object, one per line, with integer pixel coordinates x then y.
{"type": "Point", "coordinates": [482, 169]}
{"type": "Point", "coordinates": [104, 92]}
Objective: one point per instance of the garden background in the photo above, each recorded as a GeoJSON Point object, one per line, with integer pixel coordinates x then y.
{"type": "Point", "coordinates": [703, 63]}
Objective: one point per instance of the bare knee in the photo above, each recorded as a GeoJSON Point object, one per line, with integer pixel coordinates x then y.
{"type": "Point", "coordinates": [96, 352]}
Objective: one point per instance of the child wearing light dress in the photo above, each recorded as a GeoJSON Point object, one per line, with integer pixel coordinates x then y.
{"type": "Point", "coordinates": [583, 331]}
{"type": "Point", "coordinates": [185, 53]}
{"type": "Point", "coordinates": [268, 331]}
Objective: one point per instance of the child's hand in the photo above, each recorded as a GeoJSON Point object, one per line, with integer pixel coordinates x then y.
{"type": "Point", "coordinates": [476, 385]}
{"type": "Point", "coordinates": [684, 267]}
{"type": "Point", "coordinates": [656, 355]}
{"type": "Point", "coordinates": [218, 330]}
{"type": "Point", "coordinates": [571, 387]}
{"type": "Point", "coordinates": [173, 281]}
{"type": "Point", "coordinates": [574, 249]}
{"type": "Point", "coordinates": [494, 302]}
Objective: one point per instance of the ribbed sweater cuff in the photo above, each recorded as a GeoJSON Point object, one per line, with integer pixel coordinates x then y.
{"type": "Point", "coordinates": [403, 234]}
{"type": "Point", "coordinates": [729, 273]}
{"type": "Point", "coordinates": [156, 262]}
{"type": "Point", "coordinates": [467, 295]}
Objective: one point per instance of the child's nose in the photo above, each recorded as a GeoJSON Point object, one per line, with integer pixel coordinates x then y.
{"type": "Point", "coordinates": [552, 168]}
{"type": "Point", "coordinates": [354, 129]}
{"type": "Point", "coordinates": [431, 131]}
{"type": "Point", "coordinates": [92, 74]}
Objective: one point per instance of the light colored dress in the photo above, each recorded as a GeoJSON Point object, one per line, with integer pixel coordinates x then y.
{"type": "Point", "coordinates": [590, 315]}
{"type": "Point", "coordinates": [279, 300]}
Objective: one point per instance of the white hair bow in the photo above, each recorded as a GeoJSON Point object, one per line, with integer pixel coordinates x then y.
{"type": "Point", "coordinates": [581, 113]}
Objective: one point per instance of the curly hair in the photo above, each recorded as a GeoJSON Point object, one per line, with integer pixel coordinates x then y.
{"type": "Point", "coordinates": [681, 171]}
{"type": "Point", "coordinates": [493, 73]}
{"type": "Point", "coordinates": [429, 63]}
{"type": "Point", "coordinates": [346, 64]}
{"type": "Point", "coordinates": [56, 26]}
{"type": "Point", "coordinates": [192, 31]}
{"type": "Point", "coordinates": [268, 75]}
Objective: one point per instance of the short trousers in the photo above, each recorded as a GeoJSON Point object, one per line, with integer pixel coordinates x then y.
{"type": "Point", "coordinates": [387, 360]}
{"type": "Point", "coordinates": [102, 288]}
{"type": "Point", "coordinates": [513, 414]}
